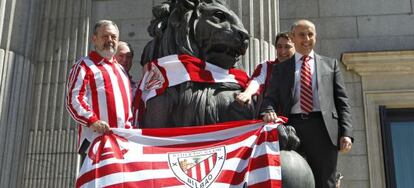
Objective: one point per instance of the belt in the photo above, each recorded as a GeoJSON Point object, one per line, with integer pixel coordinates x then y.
{"type": "Point", "coordinates": [306, 116]}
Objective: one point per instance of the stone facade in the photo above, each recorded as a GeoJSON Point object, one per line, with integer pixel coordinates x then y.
{"type": "Point", "coordinates": [41, 39]}
{"type": "Point", "coordinates": [386, 79]}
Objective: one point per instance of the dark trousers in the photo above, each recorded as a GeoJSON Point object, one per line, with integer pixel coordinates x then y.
{"type": "Point", "coordinates": [83, 152]}
{"type": "Point", "coordinates": [317, 148]}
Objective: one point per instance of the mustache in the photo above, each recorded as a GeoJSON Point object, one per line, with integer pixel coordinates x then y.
{"type": "Point", "coordinates": [109, 45]}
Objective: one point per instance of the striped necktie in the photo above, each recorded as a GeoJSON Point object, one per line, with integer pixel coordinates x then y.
{"type": "Point", "coordinates": [306, 95]}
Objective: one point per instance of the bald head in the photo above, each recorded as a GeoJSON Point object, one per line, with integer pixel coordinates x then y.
{"type": "Point", "coordinates": [303, 35]}
{"type": "Point", "coordinates": [302, 23]}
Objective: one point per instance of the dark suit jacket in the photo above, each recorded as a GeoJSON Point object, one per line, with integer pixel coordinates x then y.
{"type": "Point", "coordinates": [333, 99]}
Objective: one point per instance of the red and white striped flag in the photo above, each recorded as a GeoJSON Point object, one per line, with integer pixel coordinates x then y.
{"type": "Point", "coordinates": [172, 70]}
{"type": "Point", "coordinates": [233, 154]}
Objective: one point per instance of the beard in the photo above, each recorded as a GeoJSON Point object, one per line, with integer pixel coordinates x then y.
{"type": "Point", "coordinates": [108, 51]}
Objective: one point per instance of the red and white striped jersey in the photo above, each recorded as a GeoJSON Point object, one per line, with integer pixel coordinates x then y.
{"type": "Point", "coordinates": [98, 90]}
{"type": "Point", "coordinates": [262, 74]}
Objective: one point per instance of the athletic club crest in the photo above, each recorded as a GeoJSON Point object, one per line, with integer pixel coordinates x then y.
{"type": "Point", "coordinates": [198, 168]}
{"type": "Point", "coordinates": [154, 78]}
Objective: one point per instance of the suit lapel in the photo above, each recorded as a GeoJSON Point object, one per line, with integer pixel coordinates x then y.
{"type": "Point", "coordinates": [320, 68]}
{"type": "Point", "coordinates": [290, 72]}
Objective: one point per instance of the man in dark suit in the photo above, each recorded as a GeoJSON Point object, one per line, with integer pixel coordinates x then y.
{"type": "Point", "coordinates": [309, 89]}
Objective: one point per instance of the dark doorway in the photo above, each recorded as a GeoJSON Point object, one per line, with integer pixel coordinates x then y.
{"type": "Point", "coordinates": [397, 127]}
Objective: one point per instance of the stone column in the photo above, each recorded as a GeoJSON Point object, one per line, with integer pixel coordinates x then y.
{"type": "Point", "coordinates": [261, 20]}
{"type": "Point", "coordinates": [39, 42]}
{"type": "Point", "coordinates": [16, 71]}
{"type": "Point", "coordinates": [62, 38]}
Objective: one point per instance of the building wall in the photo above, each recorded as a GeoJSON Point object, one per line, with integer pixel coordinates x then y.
{"type": "Point", "coordinates": [386, 79]}
{"type": "Point", "coordinates": [356, 26]}
{"type": "Point", "coordinates": [41, 39]}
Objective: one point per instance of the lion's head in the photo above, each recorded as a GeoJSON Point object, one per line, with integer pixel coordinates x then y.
{"type": "Point", "coordinates": [206, 29]}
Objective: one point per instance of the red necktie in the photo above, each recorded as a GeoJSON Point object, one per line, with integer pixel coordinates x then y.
{"type": "Point", "coordinates": [306, 95]}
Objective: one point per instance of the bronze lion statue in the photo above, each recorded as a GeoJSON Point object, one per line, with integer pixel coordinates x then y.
{"type": "Point", "coordinates": [211, 32]}
{"type": "Point", "coordinates": [208, 31]}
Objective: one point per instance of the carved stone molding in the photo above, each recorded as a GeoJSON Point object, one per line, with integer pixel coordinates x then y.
{"type": "Point", "coordinates": [390, 62]}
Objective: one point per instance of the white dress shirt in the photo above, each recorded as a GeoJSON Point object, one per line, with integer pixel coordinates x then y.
{"type": "Point", "coordinates": [296, 109]}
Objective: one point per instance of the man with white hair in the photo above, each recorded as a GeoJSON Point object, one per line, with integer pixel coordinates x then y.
{"type": "Point", "coordinates": [124, 56]}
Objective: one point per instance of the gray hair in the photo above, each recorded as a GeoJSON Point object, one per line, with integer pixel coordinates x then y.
{"type": "Point", "coordinates": [101, 23]}
{"type": "Point", "coordinates": [128, 45]}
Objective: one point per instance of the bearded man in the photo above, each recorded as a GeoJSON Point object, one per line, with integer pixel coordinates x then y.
{"type": "Point", "coordinates": [98, 90]}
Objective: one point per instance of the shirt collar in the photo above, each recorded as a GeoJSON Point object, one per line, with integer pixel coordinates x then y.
{"type": "Point", "coordinates": [298, 56]}
{"type": "Point", "coordinates": [96, 58]}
